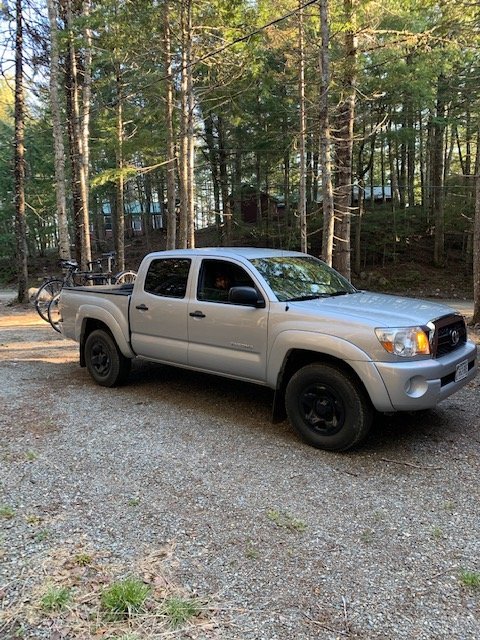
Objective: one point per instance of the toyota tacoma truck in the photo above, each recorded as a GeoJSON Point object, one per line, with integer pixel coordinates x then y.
{"type": "Point", "coordinates": [332, 354]}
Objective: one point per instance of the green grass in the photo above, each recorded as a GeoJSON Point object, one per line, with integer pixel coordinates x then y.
{"type": "Point", "coordinates": [286, 521]}
{"type": "Point", "coordinates": [178, 610]}
{"type": "Point", "coordinates": [366, 536]}
{"type": "Point", "coordinates": [6, 512]}
{"type": "Point", "coordinates": [470, 579]}
{"type": "Point", "coordinates": [55, 599]}
{"type": "Point", "coordinates": [42, 535]}
{"type": "Point", "coordinates": [83, 559]}
{"type": "Point", "coordinates": [125, 598]}
{"type": "Point", "coordinates": [437, 533]}
{"type": "Point", "coordinates": [251, 551]}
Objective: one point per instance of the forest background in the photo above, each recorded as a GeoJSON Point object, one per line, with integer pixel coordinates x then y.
{"type": "Point", "coordinates": [162, 120]}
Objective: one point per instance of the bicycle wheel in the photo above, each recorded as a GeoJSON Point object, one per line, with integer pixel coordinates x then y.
{"type": "Point", "coordinates": [45, 295]}
{"type": "Point", "coordinates": [125, 277]}
{"type": "Point", "coordinates": [54, 313]}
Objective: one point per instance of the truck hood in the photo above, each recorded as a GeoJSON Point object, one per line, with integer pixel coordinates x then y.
{"type": "Point", "coordinates": [377, 309]}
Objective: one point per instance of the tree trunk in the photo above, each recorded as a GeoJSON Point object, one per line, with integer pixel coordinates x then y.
{"type": "Point", "coordinates": [184, 124]}
{"type": "Point", "coordinates": [421, 160]}
{"type": "Point", "coordinates": [213, 161]}
{"type": "Point", "coordinates": [325, 138]}
{"type": "Point", "coordinates": [59, 148]}
{"type": "Point", "coordinates": [119, 238]}
{"type": "Point", "coordinates": [362, 170]}
{"type": "Point", "coordinates": [437, 164]}
{"type": "Point", "coordinates": [476, 253]}
{"type": "Point", "coordinates": [171, 152]}
{"type": "Point", "coordinates": [20, 217]}
{"type": "Point", "coordinates": [85, 127]}
{"type": "Point", "coordinates": [302, 196]}
{"type": "Point", "coordinates": [237, 182]}
{"type": "Point", "coordinates": [345, 122]}
{"type": "Point", "coordinates": [286, 170]}
{"type": "Point", "coordinates": [411, 144]}
{"type": "Point", "coordinates": [77, 144]}
{"type": "Point", "coordinates": [222, 153]}
{"type": "Point", "coordinates": [190, 134]}
{"type": "Point", "coordinates": [392, 160]}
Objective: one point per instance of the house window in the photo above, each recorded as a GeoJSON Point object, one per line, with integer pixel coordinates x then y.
{"type": "Point", "coordinates": [157, 221]}
{"type": "Point", "coordinates": [137, 224]}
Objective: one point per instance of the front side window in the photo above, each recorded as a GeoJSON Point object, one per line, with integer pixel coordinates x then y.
{"type": "Point", "coordinates": [168, 277]}
{"type": "Point", "coordinates": [217, 277]}
{"type": "Point", "coordinates": [301, 278]}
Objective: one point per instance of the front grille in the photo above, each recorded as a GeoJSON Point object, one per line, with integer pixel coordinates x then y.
{"type": "Point", "coordinates": [450, 333]}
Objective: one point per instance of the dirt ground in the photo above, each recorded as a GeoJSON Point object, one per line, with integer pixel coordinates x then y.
{"type": "Point", "coordinates": [182, 481]}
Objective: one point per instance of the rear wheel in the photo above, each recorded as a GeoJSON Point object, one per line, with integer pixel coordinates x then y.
{"type": "Point", "coordinates": [327, 407]}
{"type": "Point", "coordinates": [105, 362]}
{"type": "Point", "coordinates": [45, 295]}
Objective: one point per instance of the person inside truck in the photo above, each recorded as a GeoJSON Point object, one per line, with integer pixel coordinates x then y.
{"type": "Point", "coordinates": [222, 282]}
{"type": "Point", "coordinates": [221, 287]}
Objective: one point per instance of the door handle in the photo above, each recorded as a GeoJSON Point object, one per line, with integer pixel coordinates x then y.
{"type": "Point", "coordinates": [141, 307]}
{"type": "Point", "coordinates": [197, 314]}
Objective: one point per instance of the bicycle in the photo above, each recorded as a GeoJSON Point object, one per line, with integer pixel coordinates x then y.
{"type": "Point", "coordinates": [73, 277]}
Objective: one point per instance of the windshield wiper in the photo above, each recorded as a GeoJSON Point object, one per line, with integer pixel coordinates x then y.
{"type": "Point", "coordinates": [311, 296]}
{"type": "Point", "coordinates": [316, 296]}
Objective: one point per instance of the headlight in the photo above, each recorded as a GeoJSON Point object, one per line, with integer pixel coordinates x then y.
{"type": "Point", "coordinates": [404, 341]}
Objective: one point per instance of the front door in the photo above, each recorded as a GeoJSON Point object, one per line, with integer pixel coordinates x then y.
{"type": "Point", "coordinates": [224, 337]}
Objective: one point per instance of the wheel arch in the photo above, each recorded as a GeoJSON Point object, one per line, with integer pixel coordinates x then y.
{"type": "Point", "coordinates": [91, 324]}
{"type": "Point", "coordinates": [91, 317]}
{"type": "Point", "coordinates": [296, 359]}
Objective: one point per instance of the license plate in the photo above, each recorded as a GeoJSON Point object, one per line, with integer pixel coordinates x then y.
{"type": "Point", "coordinates": [461, 371]}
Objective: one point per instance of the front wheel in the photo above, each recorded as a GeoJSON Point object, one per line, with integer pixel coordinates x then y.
{"type": "Point", "coordinates": [105, 362]}
{"type": "Point", "coordinates": [327, 407]}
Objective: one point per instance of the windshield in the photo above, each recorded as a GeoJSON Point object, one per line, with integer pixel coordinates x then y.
{"type": "Point", "coordinates": [301, 278]}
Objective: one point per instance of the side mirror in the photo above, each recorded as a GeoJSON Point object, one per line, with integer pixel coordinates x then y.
{"type": "Point", "coordinates": [248, 296]}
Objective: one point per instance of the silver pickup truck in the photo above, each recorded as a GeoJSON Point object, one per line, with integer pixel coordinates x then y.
{"type": "Point", "coordinates": [334, 355]}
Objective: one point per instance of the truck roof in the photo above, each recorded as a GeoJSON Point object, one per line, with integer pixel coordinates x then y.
{"type": "Point", "coordinates": [248, 253]}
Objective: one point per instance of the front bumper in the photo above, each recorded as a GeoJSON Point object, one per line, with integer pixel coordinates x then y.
{"type": "Point", "coordinates": [422, 384]}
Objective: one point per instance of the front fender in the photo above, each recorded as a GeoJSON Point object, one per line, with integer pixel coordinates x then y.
{"type": "Point", "coordinates": [333, 347]}
{"type": "Point", "coordinates": [115, 322]}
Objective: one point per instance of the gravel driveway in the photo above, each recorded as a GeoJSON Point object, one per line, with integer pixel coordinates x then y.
{"type": "Point", "coordinates": [180, 480]}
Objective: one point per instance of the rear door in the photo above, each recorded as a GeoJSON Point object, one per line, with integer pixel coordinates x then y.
{"type": "Point", "coordinates": [223, 337]}
{"type": "Point", "coordinates": [158, 313]}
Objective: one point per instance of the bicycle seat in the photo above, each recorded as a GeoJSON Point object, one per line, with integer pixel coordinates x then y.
{"type": "Point", "coordinates": [68, 264]}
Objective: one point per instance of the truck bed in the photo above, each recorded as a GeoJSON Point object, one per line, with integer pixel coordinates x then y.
{"type": "Point", "coordinates": [109, 289]}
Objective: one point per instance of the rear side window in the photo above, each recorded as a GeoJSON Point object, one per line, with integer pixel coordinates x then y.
{"type": "Point", "coordinates": [168, 277]}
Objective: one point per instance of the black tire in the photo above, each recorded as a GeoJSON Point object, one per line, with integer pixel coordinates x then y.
{"type": "Point", "coordinates": [125, 277]}
{"type": "Point", "coordinates": [104, 360]}
{"type": "Point", "coordinates": [44, 296]}
{"type": "Point", "coordinates": [54, 313]}
{"type": "Point", "coordinates": [327, 408]}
